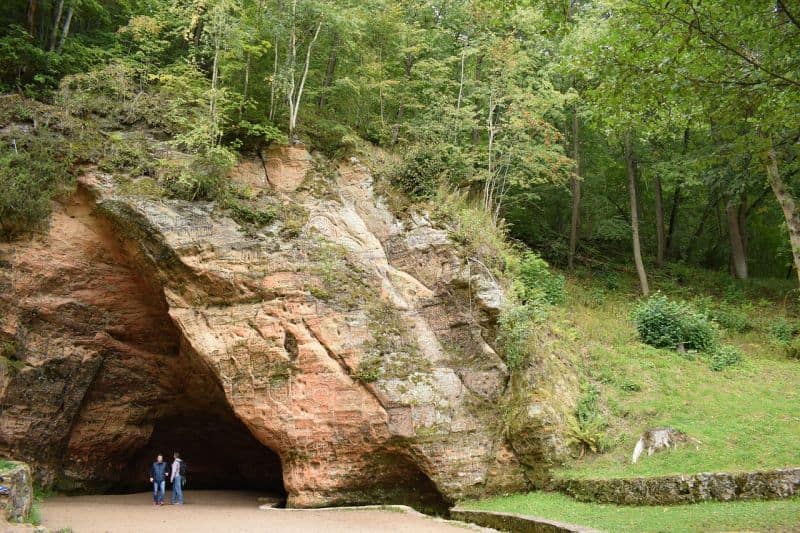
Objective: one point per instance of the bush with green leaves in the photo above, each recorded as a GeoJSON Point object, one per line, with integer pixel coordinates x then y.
{"type": "Point", "coordinates": [782, 331]}
{"type": "Point", "coordinates": [587, 430]}
{"type": "Point", "coordinates": [34, 169]}
{"type": "Point", "coordinates": [664, 323]}
{"type": "Point", "coordinates": [428, 166]}
{"type": "Point", "coordinates": [729, 316]}
{"type": "Point", "coordinates": [792, 349]}
{"type": "Point", "coordinates": [516, 330]}
{"type": "Point", "coordinates": [203, 177]}
{"type": "Point", "coordinates": [247, 215]}
{"type": "Point", "coordinates": [536, 283]}
{"type": "Point", "coordinates": [723, 357]}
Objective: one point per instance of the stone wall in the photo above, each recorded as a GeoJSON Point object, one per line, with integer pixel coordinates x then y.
{"type": "Point", "coordinates": [682, 489]}
{"type": "Point", "coordinates": [515, 522]}
{"type": "Point", "coordinates": [17, 505]}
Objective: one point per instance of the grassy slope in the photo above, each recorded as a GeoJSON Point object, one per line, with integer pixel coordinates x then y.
{"type": "Point", "coordinates": [711, 516]}
{"type": "Point", "coordinates": [746, 417]}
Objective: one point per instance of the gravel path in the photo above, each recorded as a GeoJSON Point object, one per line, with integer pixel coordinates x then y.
{"type": "Point", "coordinates": [221, 511]}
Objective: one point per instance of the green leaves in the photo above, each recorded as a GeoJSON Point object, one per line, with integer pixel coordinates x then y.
{"type": "Point", "coordinates": [664, 323]}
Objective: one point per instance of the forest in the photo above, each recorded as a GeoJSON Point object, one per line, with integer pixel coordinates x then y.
{"type": "Point", "coordinates": [591, 205]}
{"type": "Point", "coordinates": [643, 132]}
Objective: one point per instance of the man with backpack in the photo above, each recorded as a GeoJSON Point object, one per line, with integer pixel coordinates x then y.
{"type": "Point", "coordinates": [178, 478]}
{"type": "Point", "coordinates": [158, 477]}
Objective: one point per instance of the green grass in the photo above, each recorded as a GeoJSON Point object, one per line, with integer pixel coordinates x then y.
{"type": "Point", "coordinates": [708, 516]}
{"type": "Point", "coordinates": [746, 416]}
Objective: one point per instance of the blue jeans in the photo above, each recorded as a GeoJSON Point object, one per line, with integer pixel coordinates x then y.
{"type": "Point", "coordinates": [158, 491]}
{"type": "Point", "coordinates": [177, 490]}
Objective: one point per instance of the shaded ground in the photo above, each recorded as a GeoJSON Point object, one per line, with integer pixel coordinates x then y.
{"type": "Point", "coordinates": [214, 511]}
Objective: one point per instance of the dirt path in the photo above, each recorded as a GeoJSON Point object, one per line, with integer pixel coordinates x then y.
{"type": "Point", "coordinates": [215, 511]}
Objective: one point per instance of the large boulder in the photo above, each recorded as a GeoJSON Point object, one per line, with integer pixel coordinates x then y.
{"type": "Point", "coordinates": [344, 354]}
{"type": "Point", "coordinates": [15, 506]}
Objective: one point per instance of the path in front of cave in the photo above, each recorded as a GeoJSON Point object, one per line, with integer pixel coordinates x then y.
{"type": "Point", "coordinates": [216, 511]}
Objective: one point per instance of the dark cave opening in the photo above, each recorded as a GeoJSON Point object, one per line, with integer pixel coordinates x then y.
{"type": "Point", "coordinates": [220, 454]}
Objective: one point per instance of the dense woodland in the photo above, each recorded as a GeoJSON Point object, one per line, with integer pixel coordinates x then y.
{"type": "Point", "coordinates": [642, 132]}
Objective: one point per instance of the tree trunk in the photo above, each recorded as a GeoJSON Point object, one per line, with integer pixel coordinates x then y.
{"type": "Point", "coordinates": [637, 250]}
{"type": "Point", "coordinates": [330, 69]}
{"type": "Point", "coordinates": [661, 239]}
{"type": "Point", "coordinates": [295, 108]}
{"type": "Point", "coordinates": [673, 222]}
{"type": "Point", "coordinates": [213, 99]}
{"type": "Point", "coordinates": [65, 29]}
{"type": "Point", "coordinates": [56, 22]}
{"type": "Point", "coordinates": [738, 254]}
{"type": "Point", "coordinates": [409, 64]}
{"type": "Point", "coordinates": [786, 201]}
{"type": "Point", "coordinates": [476, 133]}
{"type": "Point", "coordinates": [273, 81]}
{"type": "Point", "coordinates": [712, 206]}
{"type": "Point", "coordinates": [575, 185]}
{"type": "Point", "coordinates": [31, 14]}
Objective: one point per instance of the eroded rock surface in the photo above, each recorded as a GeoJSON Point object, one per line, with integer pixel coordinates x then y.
{"type": "Point", "coordinates": [349, 360]}
{"type": "Point", "coordinates": [15, 506]}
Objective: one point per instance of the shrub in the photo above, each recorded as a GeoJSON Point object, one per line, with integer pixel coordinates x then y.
{"type": "Point", "coordinates": [32, 173]}
{"type": "Point", "coordinates": [128, 154]}
{"type": "Point", "coordinates": [792, 349]}
{"type": "Point", "coordinates": [245, 214]}
{"type": "Point", "coordinates": [516, 329]}
{"type": "Point", "coordinates": [428, 166]}
{"type": "Point", "coordinates": [728, 316]}
{"type": "Point", "coordinates": [782, 331]}
{"type": "Point", "coordinates": [536, 283]}
{"type": "Point", "coordinates": [369, 369]}
{"type": "Point", "coordinates": [203, 178]}
{"type": "Point", "coordinates": [663, 323]}
{"type": "Point", "coordinates": [588, 429]}
{"type": "Point", "coordinates": [723, 357]}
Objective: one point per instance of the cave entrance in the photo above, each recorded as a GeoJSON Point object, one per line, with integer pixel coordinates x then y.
{"type": "Point", "coordinates": [220, 454]}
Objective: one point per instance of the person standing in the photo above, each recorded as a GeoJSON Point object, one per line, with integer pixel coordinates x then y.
{"type": "Point", "coordinates": [158, 477]}
{"type": "Point", "coordinates": [177, 479]}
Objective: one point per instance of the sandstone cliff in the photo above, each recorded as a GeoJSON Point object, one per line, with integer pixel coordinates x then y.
{"type": "Point", "coordinates": [339, 353]}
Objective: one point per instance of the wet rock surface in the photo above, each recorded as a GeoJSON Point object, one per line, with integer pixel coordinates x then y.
{"type": "Point", "coordinates": [347, 360]}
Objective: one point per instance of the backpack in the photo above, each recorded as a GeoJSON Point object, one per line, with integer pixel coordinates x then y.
{"type": "Point", "coordinates": [182, 470]}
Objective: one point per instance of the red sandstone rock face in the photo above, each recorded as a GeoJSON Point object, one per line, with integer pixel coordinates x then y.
{"type": "Point", "coordinates": [346, 362]}
{"type": "Point", "coordinates": [285, 166]}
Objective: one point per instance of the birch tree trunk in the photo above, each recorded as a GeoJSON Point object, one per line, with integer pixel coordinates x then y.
{"type": "Point", "coordinates": [295, 108]}
{"type": "Point", "coordinates": [246, 85]}
{"type": "Point", "coordinates": [575, 185]}
{"type": "Point", "coordinates": [56, 22]}
{"type": "Point", "coordinates": [274, 81]}
{"type": "Point", "coordinates": [637, 249]}
{"type": "Point", "coordinates": [213, 99]}
{"type": "Point", "coordinates": [65, 29]}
